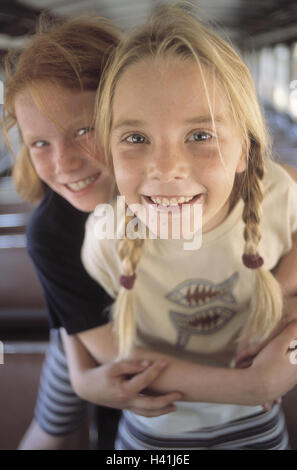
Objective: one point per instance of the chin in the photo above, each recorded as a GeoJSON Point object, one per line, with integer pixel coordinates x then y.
{"type": "Point", "coordinates": [83, 204]}
{"type": "Point", "coordinates": [83, 207]}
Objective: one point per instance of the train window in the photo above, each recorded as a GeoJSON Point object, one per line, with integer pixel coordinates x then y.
{"type": "Point", "coordinates": [293, 84]}
{"type": "Point", "coordinates": [251, 58]}
{"type": "Point", "coordinates": [266, 75]}
{"type": "Point", "coordinates": [281, 80]}
{"type": "Point", "coordinates": [274, 70]}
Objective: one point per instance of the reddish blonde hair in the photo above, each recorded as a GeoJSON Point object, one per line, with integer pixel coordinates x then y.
{"type": "Point", "coordinates": [70, 54]}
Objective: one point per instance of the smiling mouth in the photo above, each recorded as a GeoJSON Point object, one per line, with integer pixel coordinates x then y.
{"type": "Point", "coordinates": [82, 184]}
{"type": "Point", "coordinates": [172, 201]}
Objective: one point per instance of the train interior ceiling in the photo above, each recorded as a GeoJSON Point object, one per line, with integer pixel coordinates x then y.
{"type": "Point", "coordinates": [264, 32]}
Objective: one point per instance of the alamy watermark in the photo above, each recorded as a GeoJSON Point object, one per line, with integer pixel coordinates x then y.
{"type": "Point", "coordinates": [182, 221]}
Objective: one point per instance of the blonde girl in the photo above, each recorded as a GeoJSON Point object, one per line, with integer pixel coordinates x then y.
{"type": "Point", "coordinates": [49, 94]}
{"type": "Point", "coordinates": [181, 125]}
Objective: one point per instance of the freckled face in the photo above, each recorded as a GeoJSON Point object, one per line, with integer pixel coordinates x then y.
{"type": "Point", "coordinates": [62, 147]}
{"type": "Point", "coordinates": [165, 148]}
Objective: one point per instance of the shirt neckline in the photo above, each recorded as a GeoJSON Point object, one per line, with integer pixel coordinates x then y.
{"type": "Point", "coordinates": [164, 246]}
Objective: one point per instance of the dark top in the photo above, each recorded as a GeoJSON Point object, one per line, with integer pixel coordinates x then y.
{"type": "Point", "coordinates": [54, 238]}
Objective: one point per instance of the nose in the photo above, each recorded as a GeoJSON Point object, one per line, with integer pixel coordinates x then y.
{"type": "Point", "coordinates": [168, 164]}
{"type": "Point", "coordinates": [67, 157]}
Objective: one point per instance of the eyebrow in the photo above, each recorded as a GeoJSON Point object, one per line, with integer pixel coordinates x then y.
{"type": "Point", "coordinates": [128, 123]}
{"type": "Point", "coordinates": [206, 119]}
{"type": "Point", "coordinates": [31, 137]}
{"type": "Point", "coordinates": [194, 120]}
{"type": "Point", "coordinates": [74, 125]}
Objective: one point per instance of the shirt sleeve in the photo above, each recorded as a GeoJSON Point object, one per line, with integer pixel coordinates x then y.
{"type": "Point", "coordinates": [74, 300]}
{"type": "Point", "coordinates": [286, 188]}
{"type": "Point", "coordinates": [100, 259]}
{"type": "Point", "coordinates": [292, 200]}
{"type": "Point", "coordinates": [279, 221]}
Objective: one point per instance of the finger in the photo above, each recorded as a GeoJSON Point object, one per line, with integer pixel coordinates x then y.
{"type": "Point", "coordinates": [146, 377]}
{"type": "Point", "coordinates": [267, 406]}
{"type": "Point", "coordinates": [154, 413]}
{"type": "Point", "coordinates": [150, 403]}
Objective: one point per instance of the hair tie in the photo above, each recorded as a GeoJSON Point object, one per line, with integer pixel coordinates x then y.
{"type": "Point", "coordinates": [252, 261]}
{"type": "Point", "coordinates": [127, 281]}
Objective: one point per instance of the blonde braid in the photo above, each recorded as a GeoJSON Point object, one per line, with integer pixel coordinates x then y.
{"type": "Point", "coordinates": [267, 303]}
{"type": "Point", "coordinates": [124, 313]}
{"type": "Point", "coordinates": [252, 196]}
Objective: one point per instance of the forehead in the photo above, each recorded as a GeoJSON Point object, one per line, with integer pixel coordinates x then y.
{"type": "Point", "coordinates": [45, 103]}
{"type": "Point", "coordinates": [163, 86]}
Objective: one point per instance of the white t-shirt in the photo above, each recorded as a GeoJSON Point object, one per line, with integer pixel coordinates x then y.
{"type": "Point", "coordinates": [192, 304]}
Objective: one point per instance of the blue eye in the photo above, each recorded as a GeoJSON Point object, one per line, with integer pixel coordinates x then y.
{"type": "Point", "coordinates": [135, 139]}
{"type": "Point", "coordinates": [84, 130]}
{"type": "Point", "coordinates": [40, 144]}
{"type": "Point", "coordinates": [199, 136]}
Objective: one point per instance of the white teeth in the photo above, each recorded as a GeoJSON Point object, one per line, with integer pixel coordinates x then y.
{"type": "Point", "coordinates": [171, 201]}
{"type": "Point", "coordinates": [81, 184]}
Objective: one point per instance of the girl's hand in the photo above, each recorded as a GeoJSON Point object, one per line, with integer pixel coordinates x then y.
{"type": "Point", "coordinates": [267, 406]}
{"type": "Point", "coordinates": [274, 367]}
{"type": "Point", "coordinates": [121, 384]}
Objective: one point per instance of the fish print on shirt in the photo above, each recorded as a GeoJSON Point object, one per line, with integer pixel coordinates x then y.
{"type": "Point", "coordinates": [197, 294]}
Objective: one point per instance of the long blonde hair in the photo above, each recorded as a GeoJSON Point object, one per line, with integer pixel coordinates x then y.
{"type": "Point", "coordinates": [70, 54]}
{"type": "Point", "coordinates": [172, 31]}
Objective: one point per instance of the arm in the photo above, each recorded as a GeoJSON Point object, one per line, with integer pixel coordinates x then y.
{"type": "Point", "coordinates": [270, 376]}
{"type": "Point", "coordinates": [116, 385]}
